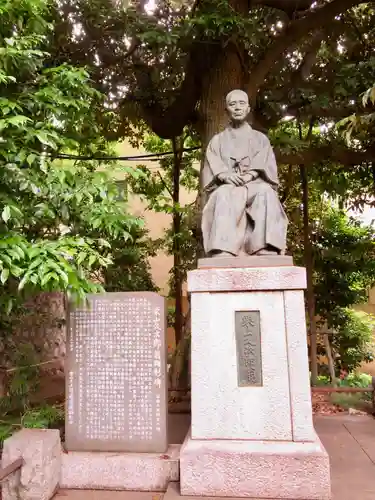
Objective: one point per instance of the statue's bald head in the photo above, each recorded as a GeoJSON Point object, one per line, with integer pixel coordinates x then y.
{"type": "Point", "coordinates": [237, 94]}
{"type": "Point", "coordinates": [237, 104]}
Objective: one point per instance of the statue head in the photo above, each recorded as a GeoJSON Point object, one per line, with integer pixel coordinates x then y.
{"type": "Point", "coordinates": [237, 104]}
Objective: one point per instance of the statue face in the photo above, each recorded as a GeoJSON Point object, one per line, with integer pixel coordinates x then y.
{"type": "Point", "coordinates": [238, 106]}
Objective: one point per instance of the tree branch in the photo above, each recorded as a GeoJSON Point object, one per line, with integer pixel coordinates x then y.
{"type": "Point", "coordinates": [335, 112]}
{"type": "Point", "coordinates": [290, 37]}
{"type": "Point", "coordinates": [290, 7]}
{"type": "Point", "coordinates": [169, 122]}
{"type": "Point", "coordinates": [165, 184]}
{"type": "Point", "coordinates": [343, 155]}
{"type": "Point", "coordinates": [310, 57]}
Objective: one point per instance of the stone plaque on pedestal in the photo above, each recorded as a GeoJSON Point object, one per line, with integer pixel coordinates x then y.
{"type": "Point", "coordinates": [116, 375]}
{"type": "Point", "coordinates": [249, 357]}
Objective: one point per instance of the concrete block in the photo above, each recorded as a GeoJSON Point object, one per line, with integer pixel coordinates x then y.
{"type": "Point", "coordinates": [39, 477]}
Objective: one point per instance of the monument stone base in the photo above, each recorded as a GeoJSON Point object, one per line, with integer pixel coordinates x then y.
{"type": "Point", "coordinates": [120, 471]}
{"type": "Point", "coordinates": [255, 469]}
{"type": "Point", "coordinates": [252, 433]}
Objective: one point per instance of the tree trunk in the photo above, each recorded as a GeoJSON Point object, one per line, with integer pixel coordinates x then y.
{"type": "Point", "coordinates": [181, 358]}
{"type": "Point", "coordinates": [224, 77]}
{"type": "Point", "coordinates": [308, 257]}
{"type": "Point", "coordinates": [227, 74]}
{"type": "Point", "coordinates": [177, 272]}
{"type": "Point", "coordinates": [331, 363]}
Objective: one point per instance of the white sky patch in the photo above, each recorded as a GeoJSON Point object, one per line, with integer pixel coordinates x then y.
{"type": "Point", "coordinates": [325, 127]}
{"type": "Point", "coordinates": [77, 31]}
{"type": "Point", "coordinates": [150, 6]}
{"type": "Point", "coordinates": [366, 217]}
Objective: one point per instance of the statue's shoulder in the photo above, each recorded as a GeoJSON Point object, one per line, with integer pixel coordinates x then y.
{"type": "Point", "coordinates": [215, 139]}
{"type": "Point", "coordinates": [261, 138]}
{"type": "Point", "coordinates": [214, 142]}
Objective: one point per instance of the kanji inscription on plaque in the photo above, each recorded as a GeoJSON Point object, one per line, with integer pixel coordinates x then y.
{"type": "Point", "coordinates": [116, 374]}
{"type": "Point", "coordinates": [248, 344]}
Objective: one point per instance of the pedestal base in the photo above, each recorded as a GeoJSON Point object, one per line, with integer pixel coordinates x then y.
{"type": "Point", "coordinates": [255, 469]}
{"type": "Point", "coordinates": [119, 471]}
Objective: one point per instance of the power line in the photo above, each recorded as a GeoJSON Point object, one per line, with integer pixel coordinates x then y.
{"type": "Point", "coordinates": [151, 156]}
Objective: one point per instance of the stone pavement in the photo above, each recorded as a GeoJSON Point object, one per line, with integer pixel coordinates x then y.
{"type": "Point", "coordinates": [349, 440]}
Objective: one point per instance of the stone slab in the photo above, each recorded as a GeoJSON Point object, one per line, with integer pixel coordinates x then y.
{"type": "Point", "coordinates": [116, 374]}
{"type": "Point", "coordinates": [173, 493]}
{"type": "Point", "coordinates": [221, 409]}
{"type": "Point", "coordinates": [246, 261]}
{"type": "Point", "coordinates": [255, 469]}
{"type": "Point", "coordinates": [353, 470]}
{"type": "Point", "coordinates": [360, 430]}
{"type": "Point", "coordinates": [39, 477]}
{"type": "Point", "coordinates": [247, 279]}
{"type": "Point", "coordinates": [107, 495]}
{"type": "Point", "coordinates": [120, 471]}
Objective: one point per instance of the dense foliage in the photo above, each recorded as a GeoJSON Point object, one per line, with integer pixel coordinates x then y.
{"type": "Point", "coordinates": [58, 219]}
{"type": "Point", "coordinates": [353, 339]}
{"type": "Point", "coordinates": [64, 224]}
{"type": "Point", "coordinates": [164, 191]}
{"type": "Point", "coordinates": [343, 273]}
{"type": "Point", "coordinates": [170, 63]}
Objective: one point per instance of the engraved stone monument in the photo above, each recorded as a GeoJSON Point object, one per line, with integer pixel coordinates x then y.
{"type": "Point", "coordinates": [116, 374]}
{"type": "Point", "coordinates": [249, 357]}
{"type": "Point", "coordinates": [252, 431]}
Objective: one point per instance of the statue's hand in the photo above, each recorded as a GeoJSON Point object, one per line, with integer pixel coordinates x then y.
{"type": "Point", "coordinates": [234, 179]}
{"type": "Point", "coordinates": [250, 177]}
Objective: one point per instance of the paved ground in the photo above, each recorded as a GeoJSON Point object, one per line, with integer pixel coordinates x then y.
{"type": "Point", "coordinates": [349, 440]}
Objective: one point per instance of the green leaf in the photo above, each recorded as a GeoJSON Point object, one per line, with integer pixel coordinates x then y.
{"type": "Point", "coordinates": [6, 214]}
{"type": "Point", "coordinates": [31, 158]}
{"type": "Point", "coordinates": [35, 263]}
{"type": "Point", "coordinates": [18, 120]}
{"type": "Point", "coordinates": [47, 277]}
{"type": "Point", "coordinates": [45, 139]}
{"type": "Point", "coordinates": [92, 259]}
{"type": "Point", "coordinates": [4, 275]}
{"type": "Point", "coordinates": [23, 282]}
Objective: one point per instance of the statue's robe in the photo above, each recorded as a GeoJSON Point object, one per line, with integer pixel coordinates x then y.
{"type": "Point", "coordinates": [242, 219]}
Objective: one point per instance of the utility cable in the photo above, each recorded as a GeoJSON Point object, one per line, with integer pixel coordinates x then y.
{"type": "Point", "coordinates": [151, 156]}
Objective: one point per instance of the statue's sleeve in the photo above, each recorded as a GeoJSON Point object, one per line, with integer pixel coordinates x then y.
{"type": "Point", "coordinates": [264, 161]}
{"type": "Point", "coordinates": [213, 164]}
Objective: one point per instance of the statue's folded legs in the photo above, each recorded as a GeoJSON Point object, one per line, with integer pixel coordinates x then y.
{"type": "Point", "coordinates": [244, 220]}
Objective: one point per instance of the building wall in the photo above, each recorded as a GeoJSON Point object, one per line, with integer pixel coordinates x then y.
{"type": "Point", "coordinates": [156, 222]}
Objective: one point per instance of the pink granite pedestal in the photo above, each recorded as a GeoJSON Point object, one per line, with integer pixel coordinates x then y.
{"type": "Point", "coordinates": [255, 469]}
{"type": "Point", "coordinates": [252, 440]}
{"type": "Point", "coordinates": [120, 471]}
